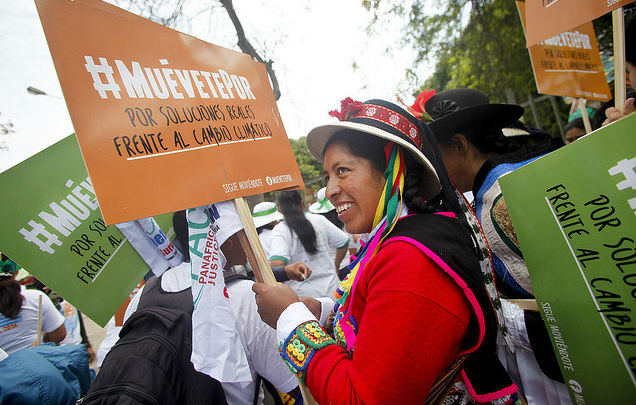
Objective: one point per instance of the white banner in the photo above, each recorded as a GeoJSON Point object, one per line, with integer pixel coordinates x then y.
{"type": "Point", "coordinates": [216, 346]}
{"type": "Point", "coordinates": [159, 238]}
{"type": "Point", "coordinates": [144, 246]}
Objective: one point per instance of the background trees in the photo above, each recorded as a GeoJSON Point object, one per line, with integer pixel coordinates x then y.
{"type": "Point", "coordinates": [478, 44]}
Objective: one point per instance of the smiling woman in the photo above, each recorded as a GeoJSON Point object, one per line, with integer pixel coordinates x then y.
{"type": "Point", "coordinates": [413, 309]}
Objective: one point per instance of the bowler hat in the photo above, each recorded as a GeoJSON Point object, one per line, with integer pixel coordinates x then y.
{"type": "Point", "coordinates": [457, 109]}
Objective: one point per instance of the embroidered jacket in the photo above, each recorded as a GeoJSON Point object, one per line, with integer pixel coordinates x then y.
{"type": "Point", "coordinates": [420, 305]}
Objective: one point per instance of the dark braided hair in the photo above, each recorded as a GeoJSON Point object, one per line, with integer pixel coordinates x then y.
{"type": "Point", "coordinates": [10, 297]}
{"type": "Point", "coordinates": [290, 203]}
{"type": "Point", "coordinates": [372, 149]}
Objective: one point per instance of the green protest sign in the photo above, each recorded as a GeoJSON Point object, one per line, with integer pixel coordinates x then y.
{"type": "Point", "coordinates": [574, 215]}
{"type": "Point", "coordinates": [52, 226]}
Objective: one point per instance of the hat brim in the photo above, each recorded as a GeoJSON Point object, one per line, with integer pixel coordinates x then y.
{"type": "Point", "coordinates": [318, 138]}
{"type": "Point", "coordinates": [266, 219]}
{"type": "Point", "coordinates": [478, 116]}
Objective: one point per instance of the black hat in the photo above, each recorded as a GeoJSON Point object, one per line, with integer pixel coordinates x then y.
{"type": "Point", "coordinates": [467, 108]}
{"type": "Point", "coordinates": [382, 119]}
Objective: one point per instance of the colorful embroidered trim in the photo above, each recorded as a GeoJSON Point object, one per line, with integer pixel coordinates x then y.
{"type": "Point", "coordinates": [392, 119]}
{"type": "Point", "coordinates": [301, 345]}
{"type": "Point", "coordinates": [487, 268]}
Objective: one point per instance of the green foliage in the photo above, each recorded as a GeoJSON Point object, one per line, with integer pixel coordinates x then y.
{"type": "Point", "coordinates": [477, 44]}
{"type": "Point", "coordinates": [310, 169]}
{"type": "Point", "coordinates": [489, 55]}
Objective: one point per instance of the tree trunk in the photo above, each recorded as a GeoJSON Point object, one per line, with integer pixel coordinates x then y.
{"type": "Point", "coordinates": [247, 47]}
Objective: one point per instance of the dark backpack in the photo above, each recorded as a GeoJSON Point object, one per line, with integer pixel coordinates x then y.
{"type": "Point", "coordinates": [150, 364]}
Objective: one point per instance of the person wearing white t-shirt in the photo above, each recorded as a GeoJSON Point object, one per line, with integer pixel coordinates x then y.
{"type": "Point", "coordinates": [305, 237]}
{"type": "Point", "coordinates": [19, 316]}
{"type": "Point", "coordinates": [258, 340]}
{"type": "Point", "coordinates": [266, 216]}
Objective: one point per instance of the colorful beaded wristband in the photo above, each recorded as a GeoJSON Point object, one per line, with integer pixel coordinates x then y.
{"type": "Point", "coordinates": [301, 345]}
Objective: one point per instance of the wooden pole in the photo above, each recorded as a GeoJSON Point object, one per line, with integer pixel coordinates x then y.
{"type": "Point", "coordinates": [618, 24]}
{"type": "Point", "coordinates": [39, 334]}
{"type": "Point", "coordinates": [533, 108]}
{"type": "Point", "coordinates": [584, 115]}
{"type": "Point", "coordinates": [260, 265]}
{"type": "Point", "coordinates": [252, 246]}
{"type": "Point", "coordinates": [526, 304]}
{"type": "Point", "coordinates": [557, 114]}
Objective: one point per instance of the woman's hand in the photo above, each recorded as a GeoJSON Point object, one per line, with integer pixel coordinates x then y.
{"type": "Point", "coordinates": [297, 271]}
{"type": "Point", "coordinates": [613, 114]}
{"type": "Point", "coordinates": [313, 305]}
{"type": "Point", "coordinates": [273, 300]}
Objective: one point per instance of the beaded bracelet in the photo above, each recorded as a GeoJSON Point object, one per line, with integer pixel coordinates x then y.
{"type": "Point", "coordinates": [301, 345]}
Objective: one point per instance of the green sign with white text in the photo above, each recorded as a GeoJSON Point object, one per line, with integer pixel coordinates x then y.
{"type": "Point", "coordinates": [574, 213]}
{"type": "Point", "coordinates": [52, 226]}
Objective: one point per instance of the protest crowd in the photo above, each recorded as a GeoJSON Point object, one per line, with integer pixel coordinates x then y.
{"type": "Point", "coordinates": [401, 281]}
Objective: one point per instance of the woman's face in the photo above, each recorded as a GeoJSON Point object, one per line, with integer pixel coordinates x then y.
{"type": "Point", "coordinates": [354, 187]}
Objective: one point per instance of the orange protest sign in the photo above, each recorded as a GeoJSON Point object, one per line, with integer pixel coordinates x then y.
{"type": "Point", "coordinates": [121, 312]}
{"type": "Point", "coordinates": [547, 18]}
{"type": "Point", "coordinates": [569, 64]}
{"type": "Point", "coordinates": [164, 120]}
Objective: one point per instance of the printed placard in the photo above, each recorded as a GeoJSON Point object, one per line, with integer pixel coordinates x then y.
{"type": "Point", "coordinates": [569, 64]}
{"type": "Point", "coordinates": [51, 226]}
{"type": "Point", "coordinates": [165, 121]}
{"type": "Point", "coordinates": [574, 215]}
{"type": "Point", "coordinates": [547, 18]}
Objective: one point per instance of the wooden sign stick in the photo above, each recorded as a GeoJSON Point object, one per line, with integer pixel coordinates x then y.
{"type": "Point", "coordinates": [584, 116]}
{"type": "Point", "coordinates": [260, 265]}
{"type": "Point", "coordinates": [252, 246]}
{"type": "Point", "coordinates": [526, 304]}
{"type": "Point", "coordinates": [618, 24]}
{"type": "Point", "coordinates": [39, 334]}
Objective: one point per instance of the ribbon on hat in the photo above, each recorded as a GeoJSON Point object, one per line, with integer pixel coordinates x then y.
{"type": "Point", "coordinates": [350, 109]}
{"type": "Point", "coordinates": [263, 213]}
{"type": "Point", "coordinates": [442, 108]}
{"type": "Point", "coordinates": [324, 203]}
{"type": "Point", "coordinates": [386, 216]}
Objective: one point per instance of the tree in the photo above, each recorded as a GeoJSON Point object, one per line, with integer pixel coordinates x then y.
{"type": "Point", "coordinates": [247, 47]}
{"type": "Point", "coordinates": [310, 169]}
{"type": "Point", "coordinates": [171, 13]}
{"type": "Point", "coordinates": [478, 44]}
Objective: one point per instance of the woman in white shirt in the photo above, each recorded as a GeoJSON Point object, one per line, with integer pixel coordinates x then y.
{"type": "Point", "coordinates": [19, 316]}
{"type": "Point", "coordinates": [307, 238]}
{"type": "Point", "coordinates": [266, 216]}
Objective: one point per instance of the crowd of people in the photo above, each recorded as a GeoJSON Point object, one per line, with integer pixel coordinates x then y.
{"type": "Point", "coordinates": [393, 286]}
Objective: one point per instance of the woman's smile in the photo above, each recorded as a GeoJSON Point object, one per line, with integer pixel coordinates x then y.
{"type": "Point", "coordinates": [354, 186]}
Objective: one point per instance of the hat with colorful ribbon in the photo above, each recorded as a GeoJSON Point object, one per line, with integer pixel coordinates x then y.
{"type": "Point", "coordinates": [381, 119]}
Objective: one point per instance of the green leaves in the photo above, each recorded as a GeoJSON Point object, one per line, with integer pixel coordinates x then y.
{"type": "Point", "coordinates": [310, 169]}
